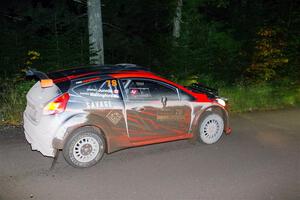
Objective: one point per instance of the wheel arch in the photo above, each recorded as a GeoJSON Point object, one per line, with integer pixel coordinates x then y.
{"type": "Point", "coordinates": [70, 127]}
{"type": "Point", "coordinates": [215, 109]}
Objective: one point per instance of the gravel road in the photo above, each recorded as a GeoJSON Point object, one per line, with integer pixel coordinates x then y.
{"type": "Point", "coordinates": [259, 160]}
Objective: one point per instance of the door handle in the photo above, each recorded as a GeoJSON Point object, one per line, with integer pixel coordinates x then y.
{"type": "Point", "coordinates": [138, 109]}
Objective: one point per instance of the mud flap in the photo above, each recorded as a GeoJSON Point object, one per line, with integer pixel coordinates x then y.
{"type": "Point", "coordinates": [54, 160]}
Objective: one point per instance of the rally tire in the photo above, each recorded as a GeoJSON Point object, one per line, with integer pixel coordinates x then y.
{"type": "Point", "coordinates": [84, 147]}
{"type": "Point", "coordinates": [211, 127]}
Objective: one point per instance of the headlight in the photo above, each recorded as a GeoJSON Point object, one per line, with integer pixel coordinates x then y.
{"type": "Point", "coordinates": [221, 102]}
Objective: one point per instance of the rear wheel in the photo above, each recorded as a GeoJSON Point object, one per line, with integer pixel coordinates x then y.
{"type": "Point", "coordinates": [85, 147]}
{"type": "Point", "coordinates": [211, 128]}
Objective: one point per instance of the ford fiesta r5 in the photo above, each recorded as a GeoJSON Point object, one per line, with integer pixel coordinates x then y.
{"type": "Point", "coordinates": [87, 112]}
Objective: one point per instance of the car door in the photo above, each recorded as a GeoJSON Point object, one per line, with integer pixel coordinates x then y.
{"type": "Point", "coordinates": [154, 110]}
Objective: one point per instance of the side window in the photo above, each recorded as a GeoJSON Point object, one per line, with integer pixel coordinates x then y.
{"type": "Point", "coordinates": [185, 96]}
{"type": "Point", "coordinates": [148, 90]}
{"type": "Point", "coordinates": [103, 89]}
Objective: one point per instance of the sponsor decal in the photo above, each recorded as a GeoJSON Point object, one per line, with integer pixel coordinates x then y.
{"type": "Point", "coordinates": [139, 93]}
{"type": "Point", "coordinates": [103, 93]}
{"type": "Point", "coordinates": [114, 117]}
{"type": "Point", "coordinates": [107, 89]}
{"type": "Point", "coordinates": [98, 104]}
{"type": "Point", "coordinates": [170, 115]}
{"type": "Point", "coordinates": [133, 91]}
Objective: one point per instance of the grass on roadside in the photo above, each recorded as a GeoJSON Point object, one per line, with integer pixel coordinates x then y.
{"type": "Point", "coordinates": [13, 101]}
{"type": "Point", "coordinates": [261, 97]}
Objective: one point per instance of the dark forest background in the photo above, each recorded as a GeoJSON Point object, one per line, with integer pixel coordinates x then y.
{"type": "Point", "coordinates": [223, 43]}
{"type": "Point", "coordinates": [227, 41]}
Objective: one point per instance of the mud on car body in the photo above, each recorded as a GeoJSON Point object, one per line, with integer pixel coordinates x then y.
{"type": "Point", "coordinates": [87, 112]}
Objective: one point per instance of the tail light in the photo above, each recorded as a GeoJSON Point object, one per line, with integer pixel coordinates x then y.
{"type": "Point", "coordinates": [58, 105]}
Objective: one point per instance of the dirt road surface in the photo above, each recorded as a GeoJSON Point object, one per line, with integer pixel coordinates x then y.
{"type": "Point", "coordinates": [260, 160]}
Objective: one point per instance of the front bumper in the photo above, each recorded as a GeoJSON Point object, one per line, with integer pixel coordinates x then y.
{"type": "Point", "coordinates": [228, 131]}
{"type": "Point", "coordinates": [38, 137]}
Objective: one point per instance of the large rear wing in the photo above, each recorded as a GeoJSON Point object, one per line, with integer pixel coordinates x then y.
{"type": "Point", "coordinates": [37, 74]}
{"type": "Point", "coordinates": [41, 76]}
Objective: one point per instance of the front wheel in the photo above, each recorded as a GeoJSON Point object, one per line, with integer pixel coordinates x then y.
{"type": "Point", "coordinates": [84, 148]}
{"type": "Point", "coordinates": [211, 128]}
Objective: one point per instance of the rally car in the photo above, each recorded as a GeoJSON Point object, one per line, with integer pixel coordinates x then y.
{"type": "Point", "coordinates": [89, 111]}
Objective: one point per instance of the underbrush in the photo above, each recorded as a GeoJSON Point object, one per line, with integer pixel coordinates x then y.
{"type": "Point", "coordinates": [13, 100]}
{"type": "Point", "coordinates": [261, 97]}
{"type": "Point", "coordinates": [241, 98]}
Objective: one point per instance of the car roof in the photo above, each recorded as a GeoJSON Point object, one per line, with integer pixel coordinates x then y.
{"type": "Point", "coordinates": [95, 70]}
{"type": "Point", "coordinates": [63, 77]}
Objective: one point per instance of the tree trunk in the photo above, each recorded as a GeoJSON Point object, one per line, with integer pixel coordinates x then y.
{"type": "Point", "coordinates": [56, 41]}
{"type": "Point", "coordinates": [95, 32]}
{"type": "Point", "coordinates": [177, 20]}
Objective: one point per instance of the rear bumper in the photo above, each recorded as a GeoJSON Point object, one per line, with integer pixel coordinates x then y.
{"type": "Point", "coordinates": [39, 138]}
